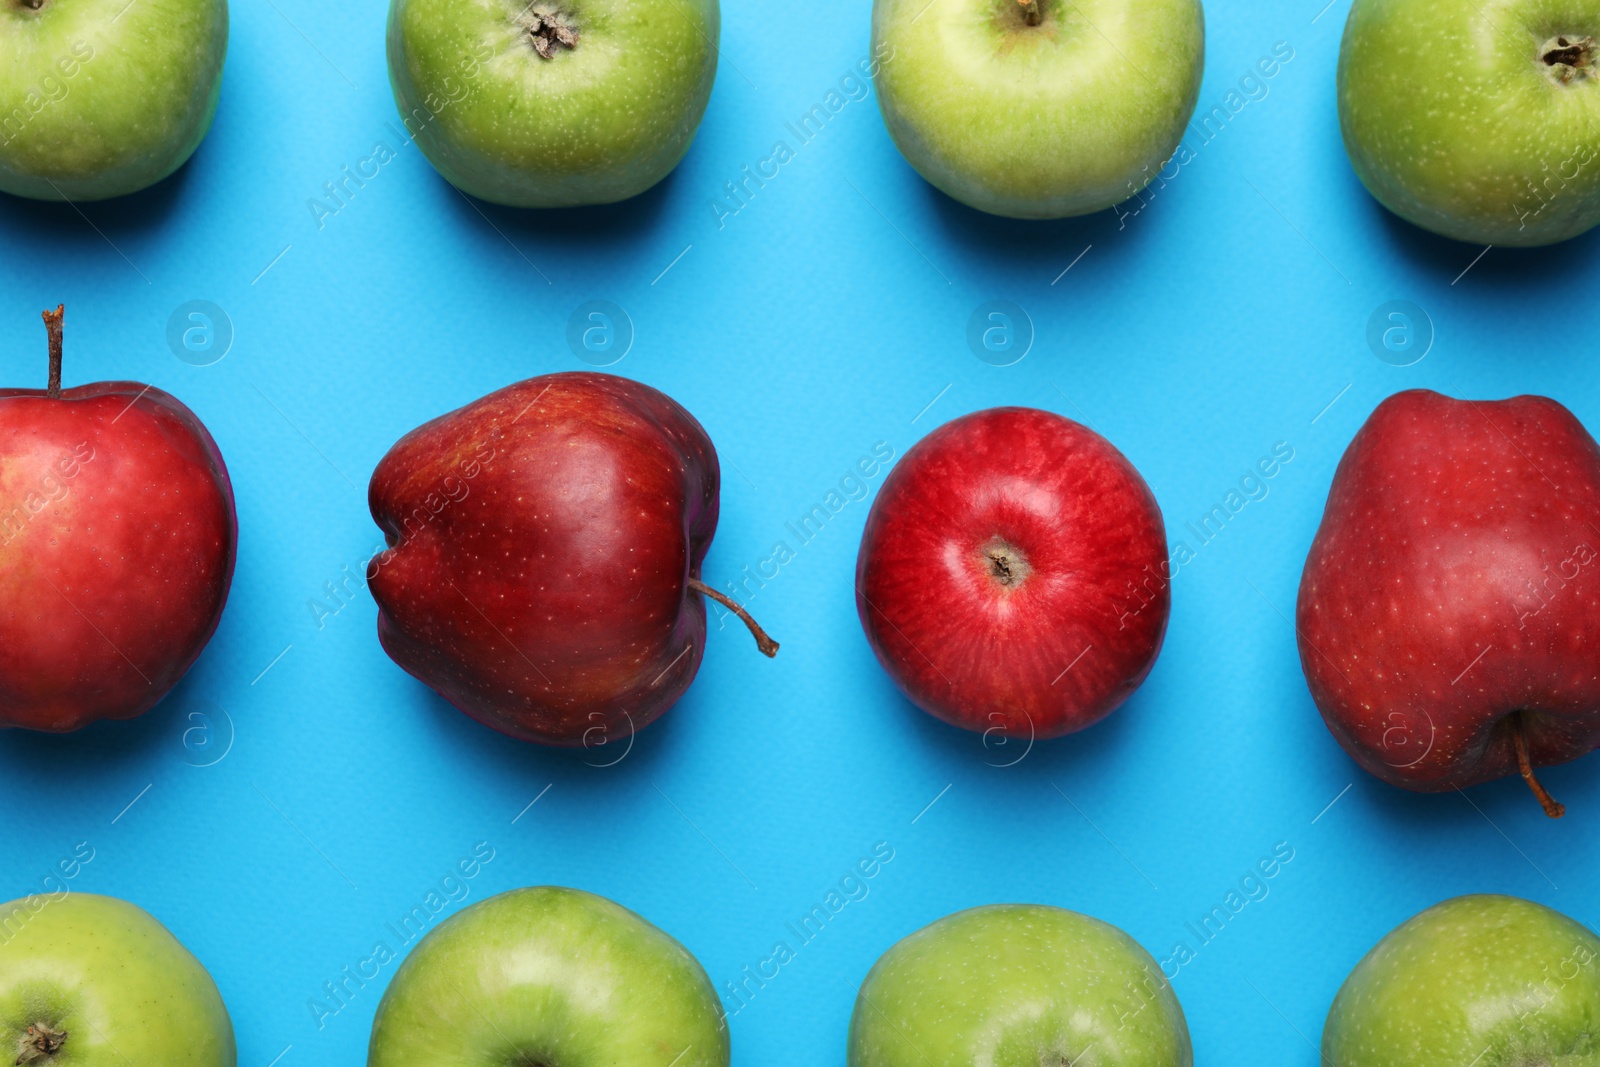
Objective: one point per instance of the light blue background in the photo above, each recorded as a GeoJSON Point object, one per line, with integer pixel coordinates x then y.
{"type": "Point", "coordinates": [830, 313]}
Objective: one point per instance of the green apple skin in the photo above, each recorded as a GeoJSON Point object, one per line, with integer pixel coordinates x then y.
{"type": "Point", "coordinates": [593, 124]}
{"type": "Point", "coordinates": [101, 98]}
{"type": "Point", "coordinates": [1493, 981]}
{"type": "Point", "coordinates": [1066, 117]}
{"type": "Point", "coordinates": [1456, 123]}
{"type": "Point", "coordinates": [113, 979]}
{"type": "Point", "coordinates": [1017, 985]}
{"type": "Point", "coordinates": [550, 977]}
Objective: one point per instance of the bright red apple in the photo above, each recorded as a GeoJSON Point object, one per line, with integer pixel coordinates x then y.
{"type": "Point", "coordinates": [1013, 574]}
{"type": "Point", "coordinates": [544, 568]}
{"type": "Point", "coordinates": [1449, 613]}
{"type": "Point", "coordinates": [117, 541]}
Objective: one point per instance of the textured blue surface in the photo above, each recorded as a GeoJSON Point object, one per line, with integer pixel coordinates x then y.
{"type": "Point", "coordinates": [828, 314]}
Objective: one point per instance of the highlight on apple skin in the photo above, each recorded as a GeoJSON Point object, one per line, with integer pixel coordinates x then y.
{"type": "Point", "coordinates": [1040, 109]}
{"type": "Point", "coordinates": [1480, 123]}
{"type": "Point", "coordinates": [548, 977]}
{"type": "Point", "coordinates": [118, 537]}
{"type": "Point", "coordinates": [1450, 604]}
{"type": "Point", "coordinates": [102, 98]}
{"type": "Point", "coordinates": [1475, 979]}
{"type": "Point", "coordinates": [557, 103]}
{"type": "Point", "coordinates": [543, 573]}
{"type": "Point", "coordinates": [1013, 575]}
{"type": "Point", "coordinates": [1018, 984]}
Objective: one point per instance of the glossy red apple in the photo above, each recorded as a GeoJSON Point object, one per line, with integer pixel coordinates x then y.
{"type": "Point", "coordinates": [117, 541]}
{"type": "Point", "coordinates": [544, 568]}
{"type": "Point", "coordinates": [1013, 574]}
{"type": "Point", "coordinates": [1449, 613]}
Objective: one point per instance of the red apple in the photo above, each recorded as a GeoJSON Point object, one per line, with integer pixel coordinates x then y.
{"type": "Point", "coordinates": [1449, 614]}
{"type": "Point", "coordinates": [117, 540]}
{"type": "Point", "coordinates": [544, 568]}
{"type": "Point", "coordinates": [1013, 574]}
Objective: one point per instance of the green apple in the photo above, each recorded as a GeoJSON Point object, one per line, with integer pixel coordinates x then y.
{"type": "Point", "coordinates": [1477, 121]}
{"type": "Point", "coordinates": [553, 103]}
{"type": "Point", "coordinates": [1490, 981]}
{"type": "Point", "coordinates": [548, 977]}
{"type": "Point", "coordinates": [100, 98]}
{"type": "Point", "coordinates": [1042, 109]}
{"type": "Point", "coordinates": [90, 981]}
{"type": "Point", "coordinates": [1018, 985]}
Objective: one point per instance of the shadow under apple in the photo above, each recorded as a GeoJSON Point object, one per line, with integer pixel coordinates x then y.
{"type": "Point", "coordinates": [1042, 247]}
{"type": "Point", "coordinates": [88, 225]}
{"type": "Point", "coordinates": [78, 763]}
{"type": "Point", "coordinates": [1039, 761]}
{"type": "Point", "coordinates": [593, 768]}
{"type": "Point", "coordinates": [1500, 269]}
{"type": "Point", "coordinates": [594, 232]}
{"type": "Point", "coordinates": [1503, 806]}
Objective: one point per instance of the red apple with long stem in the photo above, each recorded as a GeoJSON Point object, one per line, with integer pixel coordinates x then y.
{"type": "Point", "coordinates": [1449, 612]}
{"type": "Point", "coordinates": [543, 573]}
{"type": "Point", "coordinates": [117, 543]}
{"type": "Point", "coordinates": [1013, 574]}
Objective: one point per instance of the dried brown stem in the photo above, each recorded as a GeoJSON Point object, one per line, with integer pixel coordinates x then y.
{"type": "Point", "coordinates": [1552, 807]}
{"type": "Point", "coordinates": [52, 326]}
{"type": "Point", "coordinates": [767, 645]}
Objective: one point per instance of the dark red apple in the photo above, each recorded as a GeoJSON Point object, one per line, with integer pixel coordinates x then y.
{"type": "Point", "coordinates": [1013, 574]}
{"type": "Point", "coordinates": [544, 568]}
{"type": "Point", "coordinates": [117, 542]}
{"type": "Point", "coordinates": [1449, 613]}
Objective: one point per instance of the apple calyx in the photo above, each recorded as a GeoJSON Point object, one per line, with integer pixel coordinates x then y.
{"type": "Point", "coordinates": [549, 28]}
{"type": "Point", "coordinates": [1004, 562]}
{"type": "Point", "coordinates": [1030, 12]}
{"type": "Point", "coordinates": [767, 645]}
{"type": "Point", "coordinates": [1519, 741]}
{"type": "Point", "coordinates": [52, 328]}
{"type": "Point", "coordinates": [41, 1040]}
{"type": "Point", "coordinates": [1569, 57]}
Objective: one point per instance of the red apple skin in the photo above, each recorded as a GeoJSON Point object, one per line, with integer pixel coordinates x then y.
{"type": "Point", "coordinates": [1455, 526]}
{"type": "Point", "coordinates": [117, 544]}
{"type": "Point", "coordinates": [542, 586]}
{"type": "Point", "coordinates": [994, 657]}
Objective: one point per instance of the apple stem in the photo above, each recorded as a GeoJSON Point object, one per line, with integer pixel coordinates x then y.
{"type": "Point", "coordinates": [1030, 11]}
{"type": "Point", "coordinates": [52, 326]}
{"type": "Point", "coordinates": [41, 1040]}
{"type": "Point", "coordinates": [1552, 807]}
{"type": "Point", "coordinates": [767, 645]}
